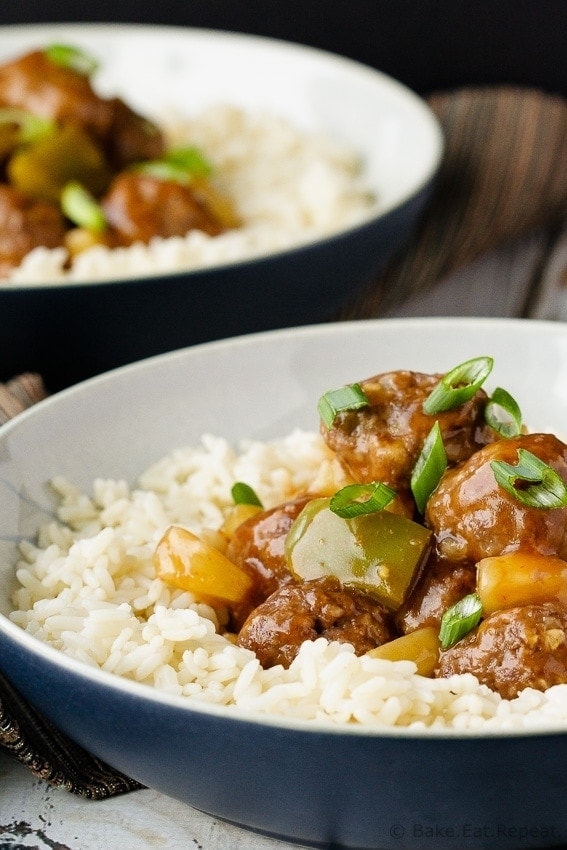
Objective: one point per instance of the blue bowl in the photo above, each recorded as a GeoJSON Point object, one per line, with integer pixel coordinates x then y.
{"type": "Point", "coordinates": [312, 782]}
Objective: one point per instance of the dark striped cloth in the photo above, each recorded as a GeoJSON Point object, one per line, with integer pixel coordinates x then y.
{"type": "Point", "coordinates": [52, 756]}
{"type": "Point", "coordinates": [504, 175]}
{"type": "Point", "coordinates": [20, 393]}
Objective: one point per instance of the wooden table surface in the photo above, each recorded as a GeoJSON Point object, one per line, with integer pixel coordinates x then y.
{"type": "Point", "coordinates": [525, 279]}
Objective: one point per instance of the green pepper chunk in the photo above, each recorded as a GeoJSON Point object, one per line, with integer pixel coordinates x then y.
{"type": "Point", "coordinates": [42, 169]}
{"type": "Point", "coordinates": [380, 553]}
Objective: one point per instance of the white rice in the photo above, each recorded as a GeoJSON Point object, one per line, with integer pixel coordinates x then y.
{"type": "Point", "coordinates": [88, 587]}
{"type": "Point", "coordinates": [288, 187]}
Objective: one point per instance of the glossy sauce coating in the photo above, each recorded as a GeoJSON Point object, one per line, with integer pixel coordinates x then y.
{"type": "Point", "coordinates": [26, 223]}
{"type": "Point", "coordinates": [34, 83]}
{"type": "Point", "coordinates": [442, 584]}
{"type": "Point", "coordinates": [382, 442]}
{"type": "Point", "coordinates": [257, 547]}
{"type": "Point", "coordinates": [139, 207]}
{"type": "Point", "coordinates": [513, 649]}
{"type": "Point", "coordinates": [312, 609]}
{"type": "Point", "coordinates": [473, 517]}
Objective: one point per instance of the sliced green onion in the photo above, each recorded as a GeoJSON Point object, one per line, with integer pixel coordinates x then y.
{"type": "Point", "coordinates": [81, 207]}
{"type": "Point", "coordinates": [180, 165]}
{"type": "Point", "coordinates": [358, 499]}
{"type": "Point", "coordinates": [429, 467]}
{"type": "Point", "coordinates": [531, 481]}
{"type": "Point", "coordinates": [459, 385]}
{"type": "Point", "coordinates": [243, 494]}
{"type": "Point", "coordinates": [162, 170]}
{"type": "Point", "coordinates": [502, 412]}
{"type": "Point", "coordinates": [72, 58]}
{"type": "Point", "coordinates": [30, 127]}
{"type": "Point", "coordinates": [460, 619]}
{"type": "Point", "coordinates": [190, 159]}
{"type": "Point", "coordinates": [333, 402]}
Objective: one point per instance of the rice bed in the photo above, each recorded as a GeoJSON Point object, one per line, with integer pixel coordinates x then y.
{"type": "Point", "coordinates": [88, 587]}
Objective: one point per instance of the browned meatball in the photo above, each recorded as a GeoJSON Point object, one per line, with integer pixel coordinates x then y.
{"type": "Point", "coordinates": [257, 545]}
{"type": "Point", "coordinates": [139, 207]}
{"type": "Point", "coordinates": [131, 137]}
{"type": "Point", "coordinates": [26, 224]}
{"type": "Point", "coordinates": [382, 442]}
{"type": "Point", "coordinates": [513, 649]}
{"type": "Point", "coordinates": [473, 517]}
{"type": "Point", "coordinates": [34, 83]}
{"type": "Point", "coordinates": [312, 609]}
{"type": "Point", "coordinates": [441, 585]}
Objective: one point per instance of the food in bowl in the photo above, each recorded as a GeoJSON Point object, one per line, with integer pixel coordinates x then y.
{"type": "Point", "coordinates": [170, 584]}
{"type": "Point", "coordinates": [135, 302]}
{"type": "Point", "coordinates": [92, 189]}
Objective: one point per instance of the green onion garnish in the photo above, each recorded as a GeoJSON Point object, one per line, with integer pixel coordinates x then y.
{"type": "Point", "coordinates": [81, 208]}
{"type": "Point", "coordinates": [357, 499]}
{"type": "Point", "coordinates": [162, 170]}
{"type": "Point", "coordinates": [460, 619]}
{"type": "Point", "coordinates": [333, 402]}
{"type": "Point", "coordinates": [531, 481]}
{"type": "Point", "coordinates": [190, 159]}
{"type": "Point", "coordinates": [178, 164]}
{"type": "Point", "coordinates": [429, 467]}
{"type": "Point", "coordinates": [459, 385]}
{"type": "Point", "coordinates": [502, 412]}
{"type": "Point", "coordinates": [243, 494]}
{"type": "Point", "coordinates": [72, 58]}
{"type": "Point", "coordinates": [30, 127]}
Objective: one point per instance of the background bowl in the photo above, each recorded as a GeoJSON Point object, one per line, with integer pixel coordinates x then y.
{"type": "Point", "coordinates": [339, 787]}
{"type": "Point", "coordinates": [71, 332]}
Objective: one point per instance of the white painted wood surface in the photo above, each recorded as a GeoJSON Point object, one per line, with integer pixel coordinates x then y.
{"type": "Point", "coordinates": [35, 815]}
{"type": "Point", "coordinates": [525, 279]}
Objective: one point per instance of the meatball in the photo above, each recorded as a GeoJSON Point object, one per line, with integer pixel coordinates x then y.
{"type": "Point", "coordinates": [26, 224]}
{"type": "Point", "coordinates": [139, 207]}
{"type": "Point", "coordinates": [312, 609]}
{"type": "Point", "coordinates": [34, 83]}
{"type": "Point", "coordinates": [473, 517]}
{"type": "Point", "coordinates": [381, 442]}
{"type": "Point", "coordinates": [257, 545]}
{"type": "Point", "coordinates": [131, 137]}
{"type": "Point", "coordinates": [440, 586]}
{"type": "Point", "coordinates": [513, 649]}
